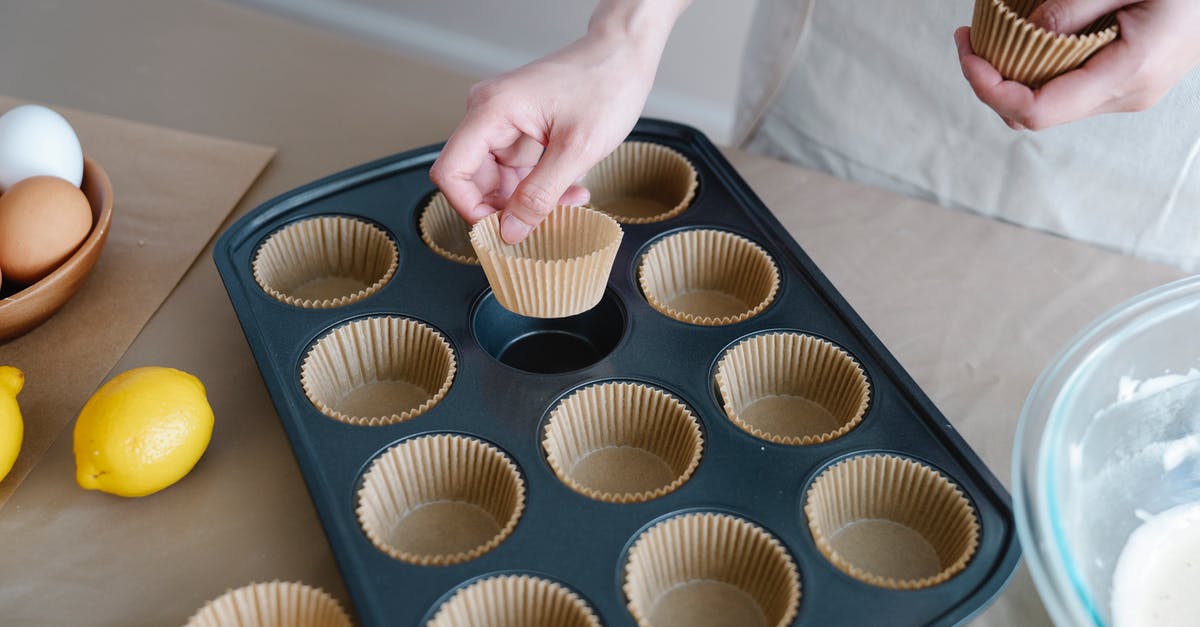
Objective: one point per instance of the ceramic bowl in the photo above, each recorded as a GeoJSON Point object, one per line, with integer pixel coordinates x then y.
{"type": "Point", "coordinates": [24, 310]}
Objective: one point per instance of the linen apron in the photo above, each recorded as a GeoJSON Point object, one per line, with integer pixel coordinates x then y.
{"type": "Point", "coordinates": [871, 91]}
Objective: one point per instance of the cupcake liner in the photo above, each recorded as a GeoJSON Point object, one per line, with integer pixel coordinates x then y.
{"type": "Point", "coordinates": [325, 262]}
{"type": "Point", "coordinates": [440, 499]}
{"type": "Point", "coordinates": [709, 568]}
{"type": "Point", "coordinates": [791, 388]}
{"type": "Point", "coordinates": [560, 270]}
{"type": "Point", "coordinates": [515, 601]}
{"type": "Point", "coordinates": [273, 604]}
{"type": "Point", "coordinates": [708, 277]}
{"type": "Point", "coordinates": [1029, 54]}
{"type": "Point", "coordinates": [378, 371]}
{"type": "Point", "coordinates": [891, 522]}
{"type": "Point", "coordinates": [445, 232]}
{"type": "Point", "coordinates": [642, 182]}
{"type": "Point", "coordinates": [622, 442]}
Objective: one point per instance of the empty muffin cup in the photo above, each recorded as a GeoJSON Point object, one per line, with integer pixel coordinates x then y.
{"type": "Point", "coordinates": [642, 182]}
{"type": "Point", "coordinates": [891, 522]}
{"type": "Point", "coordinates": [273, 604]}
{"type": "Point", "coordinates": [622, 442]}
{"type": "Point", "coordinates": [560, 270]}
{"type": "Point", "coordinates": [515, 601]}
{"type": "Point", "coordinates": [378, 371]}
{"type": "Point", "coordinates": [710, 569]}
{"type": "Point", "coordinates": [708, 277]}
{"type": "Point", "coordinates": [445, 232]}
{"type": "Point", "coordinates": [791, 388]}
{"type": "Point", "coordinates": [1029, 54]}
{"type": "Point", "coordinates": [440, 499]}
{"type": "Point", "coordinates": [325, 262]}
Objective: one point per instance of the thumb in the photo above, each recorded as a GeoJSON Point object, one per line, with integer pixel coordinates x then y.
{"type": "Point", "coordinates": [539, 192]}
{"type": "Point", "coordinates": [1072, 16]}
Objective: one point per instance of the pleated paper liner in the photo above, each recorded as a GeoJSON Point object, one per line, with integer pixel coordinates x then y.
{"type": "Point", "coordinates": [515, 601]}
{"type": "Point", "coordinates": [708, 277]}
{"type": "Point", "coordinates": [710, 569]}
{"type": "Point", "coordinates": [559, 270]}
{"type": "Point", "coordinates": [622, 442]}
{"type": "Point", "coordinates": [891, 522]}
{"type": "Point", "coordinates": [440, 499]}
{"type": "Point", "coordinates": [273, 604]}
{"type": "Point", "coordinates": [325, 262]}
{"type": "Point", "coordinates": [642, 182]}
{"type": "Point", "coordinates": [378, 371]}
{"type": "Point", "coordinates": [1029, 54]}
{"type": "Point", "coordinates": [445, 232]}
{"type": "Point", "coordinates": [791, 388]}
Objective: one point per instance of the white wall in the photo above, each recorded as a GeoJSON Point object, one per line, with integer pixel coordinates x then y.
{"type": "Point", "coordinates": [696, 84]}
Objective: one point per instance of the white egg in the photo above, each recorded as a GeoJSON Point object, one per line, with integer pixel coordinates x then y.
{"type": "Point", "coordinates": [34, 141]}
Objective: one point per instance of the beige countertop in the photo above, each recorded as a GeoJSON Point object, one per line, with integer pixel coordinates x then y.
{"type": "Point", "coordinates": [974, 309]}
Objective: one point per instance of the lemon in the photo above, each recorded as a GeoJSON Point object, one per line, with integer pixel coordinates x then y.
{"type": "Point", "coordinates": [141, 432]}
{"type": "Point", "coordinates": [11, 427]}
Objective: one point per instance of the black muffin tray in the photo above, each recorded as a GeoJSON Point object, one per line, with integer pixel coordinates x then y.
{"type": "Point", "coordinates": [563, 535]}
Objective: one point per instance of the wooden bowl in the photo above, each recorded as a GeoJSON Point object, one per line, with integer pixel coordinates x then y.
{"type": "Point", "coordinates": [33, 305]}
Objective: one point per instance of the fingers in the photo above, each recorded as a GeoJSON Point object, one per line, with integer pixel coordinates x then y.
{"type": "Point", "coordinates": [540, 192]}
{"type": "Point", "coordinates": [461, 159]}
{"type": "Point", "coordinates": [1007, 98]}
{"type": "Point", "coordinates": [1095, 88]}
{"type": "Point", "coordinates": [1072, 16]}
{"type": "Point", "coordinates": [575, 196]}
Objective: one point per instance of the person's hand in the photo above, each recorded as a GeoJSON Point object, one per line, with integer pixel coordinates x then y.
{"type": "Point", "coordinates": [1159, 42]}
{"type": "Point", "coordinates": [531, 134]}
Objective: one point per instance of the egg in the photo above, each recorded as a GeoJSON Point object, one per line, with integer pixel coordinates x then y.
{"type": "Point", "coordinates": [43, 220]}
{"type": "Point", "coordinates": [37, 141]}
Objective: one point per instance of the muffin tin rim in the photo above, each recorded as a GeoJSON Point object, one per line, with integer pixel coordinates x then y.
{"type": "Point", "coordinates": [487, 291]}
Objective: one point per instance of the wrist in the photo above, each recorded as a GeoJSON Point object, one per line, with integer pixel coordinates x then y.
{"type": "Point", "coordinates": [643, 25]}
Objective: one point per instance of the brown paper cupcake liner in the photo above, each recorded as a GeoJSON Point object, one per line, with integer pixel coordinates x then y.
{"type": "Point", "coordinates": [710, 568]}
{"type": "Point", "coordinates": [1029, 54]}
{"type": "Point", "coordinates": [791, 388]}
{"type": "Point", "coordinates": [273, 604]}
{"type": "Point", "coordinates": [560, 270]}
{"type": "Point", "coordinates": [440, 499]}
{"type": "Point", "coordinates": [515, 601]}
{"type": "Point", "coordinates": [445, 232]}
{"type": "Point", "coordinates": [708, 277]}
{"type": "Point", "coordinates": [378, 371]}
{"type": "Point", "coordinates": [891, 522]}
{"type": "Point", "coordinates": [622, 442]}
{"type": "Point", "coordinates": [325, 262]}
{"type": "Point", "coordinates": [642, 182]}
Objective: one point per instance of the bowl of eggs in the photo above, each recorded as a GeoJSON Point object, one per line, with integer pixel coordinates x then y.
{"type": "Point", "coordinates": [55, 215]}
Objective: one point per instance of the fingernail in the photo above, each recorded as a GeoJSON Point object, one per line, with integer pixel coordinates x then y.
{"type": "Point", "coordinates": [512, 229]}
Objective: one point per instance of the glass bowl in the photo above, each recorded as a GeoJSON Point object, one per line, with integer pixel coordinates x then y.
{"type": "Point", "coordinates": [1108, 438]}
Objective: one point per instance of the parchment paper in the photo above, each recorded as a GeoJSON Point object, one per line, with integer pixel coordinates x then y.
{"type": "Point", "coordinates": [172, 190]}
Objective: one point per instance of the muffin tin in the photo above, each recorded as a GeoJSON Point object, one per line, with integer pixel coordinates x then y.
{"type": "Point", "coordinates": [589, 462]}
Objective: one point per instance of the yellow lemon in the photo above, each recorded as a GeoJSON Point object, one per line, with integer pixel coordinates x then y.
{"type": "Point", "coordinates": [141, 432]}
{"type": "Point", "coordinates": [11, 427]}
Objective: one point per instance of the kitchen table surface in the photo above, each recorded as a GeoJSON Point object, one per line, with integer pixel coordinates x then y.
{"type": "Point", "coordinates": [973, 308]}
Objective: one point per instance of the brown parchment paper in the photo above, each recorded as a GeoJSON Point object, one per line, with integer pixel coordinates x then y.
{"type": "Point", "coordinates": [171, 190]}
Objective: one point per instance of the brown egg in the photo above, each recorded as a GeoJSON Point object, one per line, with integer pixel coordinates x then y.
{"type": "Point", "coordinates": [43, 219]}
